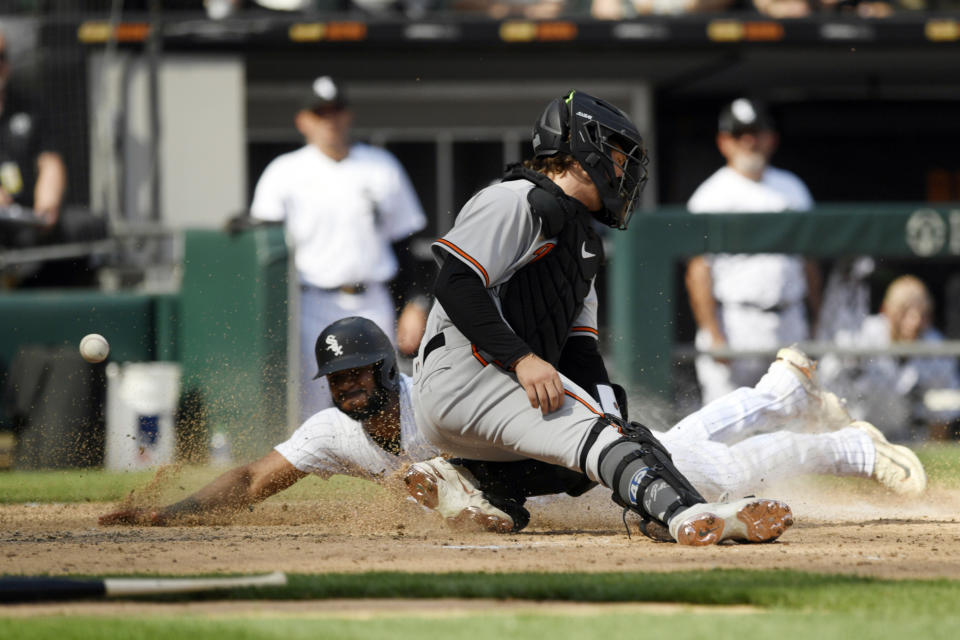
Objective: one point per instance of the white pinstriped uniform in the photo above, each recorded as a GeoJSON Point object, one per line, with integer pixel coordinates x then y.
{"type": "Point", "coordinates": [340, 217]}
{"type": "Point", "coordinates": [331, 442]}
{"type": "Point", "coordinates": [759, 296]}
{"type": "Point", "coordinates": [737, 443]}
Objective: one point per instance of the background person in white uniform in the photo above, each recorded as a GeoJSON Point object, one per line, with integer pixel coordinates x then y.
{"type": "Point", "coordinates": [349, 210]}
{"type": "Point", "coordinates": [739, 300]}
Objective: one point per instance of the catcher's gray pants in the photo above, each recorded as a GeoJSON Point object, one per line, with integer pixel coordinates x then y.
{"type": "Point", "coordinates": [477, 410]}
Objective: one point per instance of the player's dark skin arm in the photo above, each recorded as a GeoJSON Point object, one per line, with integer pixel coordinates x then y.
{"type": "Point", "coordinates": [232, 490]}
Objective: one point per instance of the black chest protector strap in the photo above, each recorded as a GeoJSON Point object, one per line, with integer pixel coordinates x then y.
{"type": "Point", "coordinates": [542, 300]}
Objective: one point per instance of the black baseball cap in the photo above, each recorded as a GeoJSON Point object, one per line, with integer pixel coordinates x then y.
{"type": "Point", "coordinates": [325, 95]}
{"type": "Point", "coordinates": [743, 115]}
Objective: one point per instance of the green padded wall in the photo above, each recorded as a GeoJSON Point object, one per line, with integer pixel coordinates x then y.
{"type": "Point", "coordinates": [233, 334]}
{"type": "Point", "coordinates": [642, 303]}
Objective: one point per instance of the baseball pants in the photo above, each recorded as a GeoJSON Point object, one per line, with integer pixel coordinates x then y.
{"type": "Point", "coordinates": [738, 443]}
{"type": "Point", "coordinates": [746, 327]}
{"type": "Point", "coordinates": [479, 411]}
{"type": "Point", "coordinates": [732, 445]}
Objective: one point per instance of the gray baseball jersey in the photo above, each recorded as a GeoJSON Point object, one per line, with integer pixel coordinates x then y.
{"type": "Point", "coordinates": [475, 409]}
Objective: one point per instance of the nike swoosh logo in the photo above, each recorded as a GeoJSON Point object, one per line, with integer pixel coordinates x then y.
{"type": "Point", "coordinates": [586, 255]}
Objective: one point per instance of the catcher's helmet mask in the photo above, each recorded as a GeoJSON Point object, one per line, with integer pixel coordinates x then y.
{"type": "Point", "coordinates": [593, 131]}
{"type": "Point", "coordinates": [353, 342]}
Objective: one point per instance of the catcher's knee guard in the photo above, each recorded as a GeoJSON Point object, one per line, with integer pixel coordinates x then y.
{"type": "Point", "coordinates": [641, 472]}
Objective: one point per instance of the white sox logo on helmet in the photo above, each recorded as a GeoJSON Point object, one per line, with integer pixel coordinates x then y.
{"type": "Point", "coordinates": [334, 346]}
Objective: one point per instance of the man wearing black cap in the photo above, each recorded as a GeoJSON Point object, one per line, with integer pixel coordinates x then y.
{"type": "Point", "coordinates": [32, 172]}
{"type": "Point", "coordinates": [748, 302]}
{"type": "Point", "coordinates": [344, 204]}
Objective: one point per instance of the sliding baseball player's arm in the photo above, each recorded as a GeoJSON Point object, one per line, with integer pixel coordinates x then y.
{"type": "Point", "coordinates": [234, 489]}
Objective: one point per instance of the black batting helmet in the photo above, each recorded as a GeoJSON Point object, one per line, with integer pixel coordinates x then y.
{"type": "Point", "coordinates": [590, 129]}
{"type": "Point", "coordinates": [356, 342]}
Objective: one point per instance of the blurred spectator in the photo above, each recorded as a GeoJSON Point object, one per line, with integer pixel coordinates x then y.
{"type": "Point", "coordinates": [219, 9]}
{"type": "Point", "coordinates": [864, 8]}
{"type": "Point", "coordinates": [784, 8]}
{"type": "Point", "coordinates": [33, 180]}
{"type": "Point", "coordinates": [501, 9]}
{"type": "Point", "coordinates": [32, 172]}
{"type": "Point", "coordinates": [619, 9]}
{"type": "Point", "coordinates": [343, 204]}
{"type": "Point", "coordinates": [846, 297]}
{"type": "Point", "coordinates": [889, 391]}
{"type": "Point", "coordinates": [741, 301]}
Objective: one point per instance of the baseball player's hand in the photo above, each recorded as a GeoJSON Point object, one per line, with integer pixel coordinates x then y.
{"type": "Point", "coordinates": [134, 515]}
{"type": "Point", "coordinates": [541, 382]}
{"type": "Point", "coordinates": [719, 341]}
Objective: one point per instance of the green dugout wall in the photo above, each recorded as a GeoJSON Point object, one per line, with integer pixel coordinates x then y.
{"type": "Point", "coordinates": [644, 297]}
{"type": "Point", "coordinates": [233, 335]}
{"type": "Point", "coordinates": [226, 326]}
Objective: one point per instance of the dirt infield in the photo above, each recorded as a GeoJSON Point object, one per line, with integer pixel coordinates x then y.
{"type": "Point", "coordinates": [855, 530]}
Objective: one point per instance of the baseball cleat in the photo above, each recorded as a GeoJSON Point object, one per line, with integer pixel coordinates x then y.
{"type": "Point", "coordinates": [746, 520]}
{"type": "Point", "coordinates": [451, 491]}
{"type": "Point", "coordinates": [896, 466]}
{"type": "Point", "coordinates": [831, 412]}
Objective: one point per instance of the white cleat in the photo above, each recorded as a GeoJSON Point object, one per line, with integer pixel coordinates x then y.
{"type": "Point", "coordinates": [451, 491]}
{"type": "Point", "coordinates": [896, 466]}
{"type": "Point", "coordinates": [746, 520]}
{"type": "Point", "coordinates": [831, 414]}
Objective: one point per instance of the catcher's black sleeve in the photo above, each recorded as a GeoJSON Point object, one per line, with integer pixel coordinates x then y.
{"type": "Point", "coordinates": [581, 361]}
{"type": "Point", "coordinates": [469, 306]}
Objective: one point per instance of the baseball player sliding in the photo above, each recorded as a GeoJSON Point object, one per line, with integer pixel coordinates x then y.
{"type": "Point", "coordinates": [371, 432]}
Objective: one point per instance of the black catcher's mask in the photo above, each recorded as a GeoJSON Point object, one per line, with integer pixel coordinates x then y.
{"type": "Point", "coordinates": [606, 144]}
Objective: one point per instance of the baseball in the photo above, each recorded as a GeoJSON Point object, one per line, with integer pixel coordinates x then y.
{"type": "Point", "coordinates": [94, 348]}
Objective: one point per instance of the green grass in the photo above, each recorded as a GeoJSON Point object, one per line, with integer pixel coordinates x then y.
{"type": "Point", "coordinates": [490, 625]}
{"type": "Point", "coordinates": [783, 590]}
{"type": "Point", "coordinates": [942, 462]}
{"type": "Point", "coordinates": [71, 485]}
{"type": "Point", "coordinates": [784, 602]}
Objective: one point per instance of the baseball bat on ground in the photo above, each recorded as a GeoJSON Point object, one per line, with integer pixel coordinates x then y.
{"type": "Point", "coordinates": [32, 589]}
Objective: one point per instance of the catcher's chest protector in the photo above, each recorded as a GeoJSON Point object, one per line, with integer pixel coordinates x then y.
{"type": "Point", "coordinates": [541, 300]}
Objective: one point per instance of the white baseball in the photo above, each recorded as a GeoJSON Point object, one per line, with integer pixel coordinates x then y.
{"type": "Point", "coordinates": [94, 348]}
